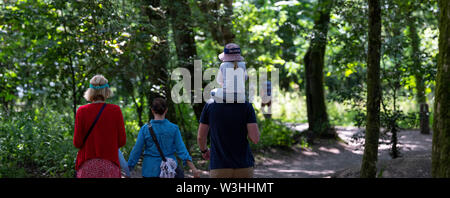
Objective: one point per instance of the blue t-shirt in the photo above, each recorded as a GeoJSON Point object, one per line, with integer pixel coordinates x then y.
{"type": "Point", "coordinates": [228, 132]}
{"type": "Point", "coordinates": [170, 141]}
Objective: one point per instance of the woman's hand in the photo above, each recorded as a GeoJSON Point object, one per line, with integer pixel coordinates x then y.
{"type": "Point", "coordinates": [194, 170]}
{"type": "Point", "coordinates": [196, 173]}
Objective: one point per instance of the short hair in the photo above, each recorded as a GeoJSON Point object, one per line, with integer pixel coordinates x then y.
{"type": "Point", "coordinates": [97, 94]}
{"type": "Point", "coordinates": [159, 105]}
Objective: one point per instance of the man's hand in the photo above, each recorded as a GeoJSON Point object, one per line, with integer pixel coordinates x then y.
{"type": "Point", "coordinates": [202, 139]}
{"type": "Point", "coordinates": [253, 132]}
{"type": "Point", "coordinates": [206, 155]}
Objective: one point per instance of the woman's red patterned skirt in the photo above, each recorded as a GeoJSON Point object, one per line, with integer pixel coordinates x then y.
{"type": "Point", "coordinates": [98, 168]}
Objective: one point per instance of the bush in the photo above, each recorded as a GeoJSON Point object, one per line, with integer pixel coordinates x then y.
{"type": "Point", "coordinates": [36, 144]}
{"type": "Point", "coordinates": [274, 134]}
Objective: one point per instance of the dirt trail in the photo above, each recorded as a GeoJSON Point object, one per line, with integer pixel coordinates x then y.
{"type": "Point", "coordinates": [342, 158]}
{"type": "Point", "coordinates": [325, 158]}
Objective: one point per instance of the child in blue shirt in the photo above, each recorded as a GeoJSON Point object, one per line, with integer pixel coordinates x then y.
{"type": "Point", "coordinates": [169, 138]}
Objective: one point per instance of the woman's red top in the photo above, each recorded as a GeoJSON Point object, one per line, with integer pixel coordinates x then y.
{"type": "Point", "coordinates": [107, 136]}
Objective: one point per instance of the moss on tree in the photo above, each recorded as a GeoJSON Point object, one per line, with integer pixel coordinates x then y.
{"type": "Point", "coordinates": [441, 125]}
{"type": "Point", "coordinates": [368, 167]}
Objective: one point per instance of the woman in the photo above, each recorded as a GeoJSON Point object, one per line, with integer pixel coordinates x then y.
{"type": "Point", "coordinates": [169, 139]}
{"type": "Point", "coordinates": [98, 155]}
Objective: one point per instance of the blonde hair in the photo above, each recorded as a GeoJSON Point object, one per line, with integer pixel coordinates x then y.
{"type": "Point", "coordinates": [97, 94]}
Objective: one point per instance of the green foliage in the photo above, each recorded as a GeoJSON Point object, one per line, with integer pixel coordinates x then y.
{"type": "Point", "coordinates": [49, 49]}
{"type": "Point", "coordinates": [274, 134]}
{"type": "Point", "coordinates": [274, 35]}
{"type": "Point", "coordinates": [36, 144]}
{"type": "Point", "coordinates": [131, 129]}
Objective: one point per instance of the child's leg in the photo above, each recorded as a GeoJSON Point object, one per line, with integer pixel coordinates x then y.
{"type": "Point", "coordinates": [218, 95]}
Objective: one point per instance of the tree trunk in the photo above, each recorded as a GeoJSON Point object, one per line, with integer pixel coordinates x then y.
{"type": "Point", "coordinates": [314, 63]}
{"type": "Point", "coordinates": [227, 26]}
{"type": "Point", "coordinates": [418, 72]}
{"type": "Point", "coordinates": [159, 56]}
{"type": "Point", "coordinates": [183, 36]}
{"type": "Point", "coordinates": [393, 125]}
{"type": "Point", "coordinates": [139, 106]}
{"type": "Point", "coordinates": [219, 25]}
{"type": "Point", "coordinates": [441, 125]}
{"type": "Point", "coordinates": [424, 119]}
{"type": "Point", "coordinates": [129, 88]}
{"type": "Point", "coordinates": [72, 71]}
{"type": "Point", "coordinates": [417, 68]}
{"type": "Point", "coordinates": [370, 157]}
{"type": "Point", "coordinates": [394, 150]}
{"type": "Point", "coordinates": [74, 89]}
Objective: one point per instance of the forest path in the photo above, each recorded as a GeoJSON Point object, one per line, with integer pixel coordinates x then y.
{"type": "Point", "coordinates": [326, 158]}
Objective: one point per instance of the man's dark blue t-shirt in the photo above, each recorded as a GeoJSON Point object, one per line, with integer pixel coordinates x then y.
{"type": "Point", "coordinates": [228, 129]}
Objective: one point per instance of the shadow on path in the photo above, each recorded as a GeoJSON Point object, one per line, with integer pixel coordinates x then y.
{"type": "Point", "coordinates": [326, 157]}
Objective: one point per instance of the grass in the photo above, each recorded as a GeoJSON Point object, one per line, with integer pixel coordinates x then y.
{"type": "Point", "coordinates": [291, 107]}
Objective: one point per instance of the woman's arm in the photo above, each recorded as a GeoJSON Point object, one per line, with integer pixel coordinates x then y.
{"type": "Point", "coordinates": [184, 154]}
{"type": "Point", "coordinates": [195, 171]}
{"type": "Point", "coordinates": [180, 148]}
{"type": "Point", "coordinates": [253, 132]}
{"type": "Point", "coordinates": [137, 149]}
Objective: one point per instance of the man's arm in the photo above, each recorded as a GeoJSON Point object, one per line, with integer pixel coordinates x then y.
{"type": "Point", "coordinates": [202, 136]}
{"type": "Point", "coordinates": [202, 139]}
{"type": "Point", "coordinates": [253, 132]}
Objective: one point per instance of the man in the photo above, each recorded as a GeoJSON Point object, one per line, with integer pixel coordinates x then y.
{"type": "Point", "coordinates": [230, 125]}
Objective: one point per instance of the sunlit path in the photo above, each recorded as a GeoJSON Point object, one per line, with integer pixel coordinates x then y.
{"type": "Point", "coordinates": [326, 158]}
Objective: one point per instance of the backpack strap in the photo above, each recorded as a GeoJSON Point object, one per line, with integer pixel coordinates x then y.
{"type": "Point", "coordinates": [152, 133]}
